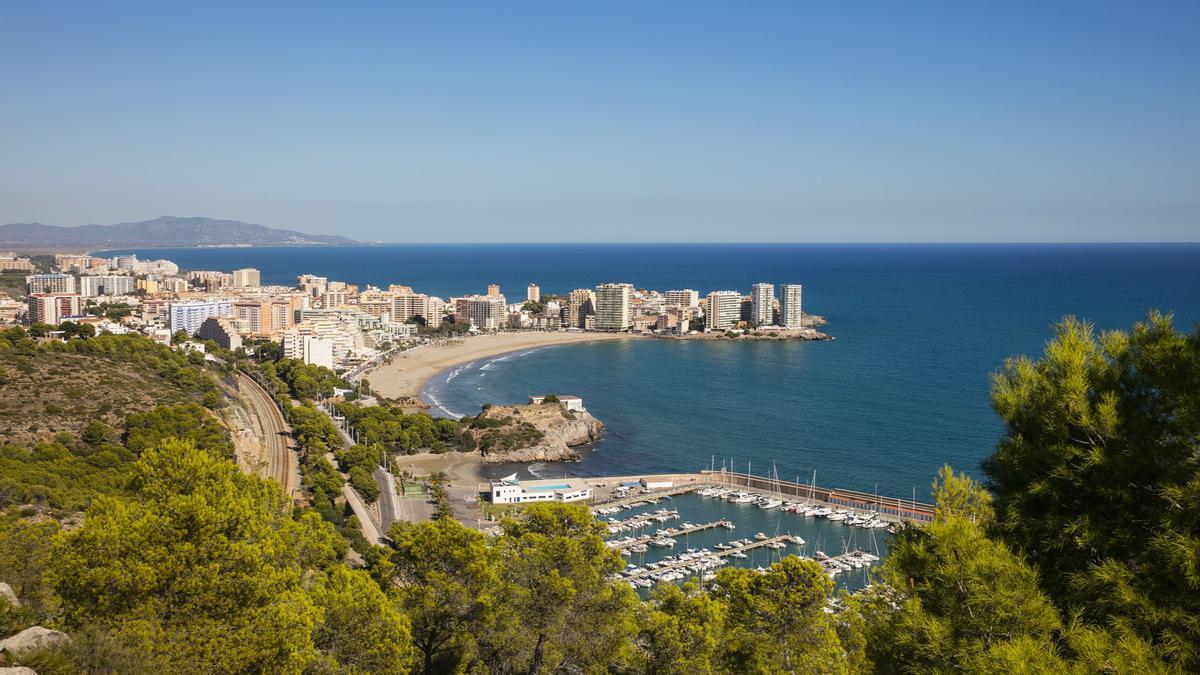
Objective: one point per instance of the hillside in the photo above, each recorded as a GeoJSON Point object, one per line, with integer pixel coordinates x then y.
{"type": "Point", "coordinates": [166, 231]}
{"type": "Point", "coordinates": [60, 388]}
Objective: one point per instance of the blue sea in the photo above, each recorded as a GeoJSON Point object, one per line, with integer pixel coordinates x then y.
{"type": "Point", "coordinates": [902, 390]}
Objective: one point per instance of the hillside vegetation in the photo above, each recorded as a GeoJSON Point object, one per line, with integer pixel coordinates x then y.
{"type": "Point", "coordinates": [61, 387]}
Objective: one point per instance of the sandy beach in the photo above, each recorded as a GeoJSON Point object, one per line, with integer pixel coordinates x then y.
{"type": "Point", "coordinates": [407, 373]}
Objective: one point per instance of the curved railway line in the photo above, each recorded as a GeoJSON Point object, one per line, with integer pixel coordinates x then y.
{"type": "Point", "coordinates": [278, 435]}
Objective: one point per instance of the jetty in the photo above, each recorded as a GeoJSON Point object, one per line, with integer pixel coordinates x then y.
{"type": "Point", "coordinates": [669, 532]}
{"type": "Point", "coordinates": [707, 558]}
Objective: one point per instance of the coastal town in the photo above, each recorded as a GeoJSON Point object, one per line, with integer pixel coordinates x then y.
{"type": "Point", "coordinates": [349, 327]}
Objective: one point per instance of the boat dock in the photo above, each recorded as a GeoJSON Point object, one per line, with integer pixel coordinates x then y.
{"type": "Point", "coordinates": [711, 556]}
{"type": "Point", "coordinates": [670, 532]}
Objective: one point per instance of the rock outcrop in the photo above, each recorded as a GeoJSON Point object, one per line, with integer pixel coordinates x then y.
{"type": "Point", "coordinates": [533, 433]}
{"type": "Point", "coordinates": [33, 638]}
{"type": "Point", "coordinates": [7, 594]}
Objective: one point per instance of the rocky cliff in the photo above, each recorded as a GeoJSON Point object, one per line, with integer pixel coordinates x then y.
{"type": "Point", "coordinates": [532, 433]}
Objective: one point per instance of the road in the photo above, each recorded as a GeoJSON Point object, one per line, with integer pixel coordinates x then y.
{"type": "Point", "coordinates": [282, 465]}
{"type": "Point", "coordinates": [390, 506]}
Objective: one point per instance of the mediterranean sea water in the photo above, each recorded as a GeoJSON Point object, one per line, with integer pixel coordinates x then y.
{"type": "Point", "coordinates": [901, 391]}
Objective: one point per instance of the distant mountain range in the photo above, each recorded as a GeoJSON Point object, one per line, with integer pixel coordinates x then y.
{"type": "Point", "coordinates": [164, 231]}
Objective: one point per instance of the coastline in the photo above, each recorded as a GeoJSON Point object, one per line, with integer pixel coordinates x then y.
{"type": "Point", "coordinates": [405, 376]}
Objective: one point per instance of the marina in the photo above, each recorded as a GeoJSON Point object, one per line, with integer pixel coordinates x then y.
{"type": "Point", "coordinates": [847, 543]}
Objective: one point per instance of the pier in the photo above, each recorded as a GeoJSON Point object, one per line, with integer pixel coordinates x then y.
{"type": "Point", "coordinates": [670, 532]}
{"type": "Point", "coordinates": [664, 567]}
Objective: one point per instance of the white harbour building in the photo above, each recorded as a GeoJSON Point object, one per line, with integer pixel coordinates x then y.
{"type": "Point", "coordinates": [509, 490]}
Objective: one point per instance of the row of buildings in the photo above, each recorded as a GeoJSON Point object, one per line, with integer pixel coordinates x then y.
{"type": "Point", "coordinates": [340, 324]}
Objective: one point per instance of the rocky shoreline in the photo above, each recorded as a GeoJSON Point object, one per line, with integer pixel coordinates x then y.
{"type": "Point", "coordinates": [545, 432]}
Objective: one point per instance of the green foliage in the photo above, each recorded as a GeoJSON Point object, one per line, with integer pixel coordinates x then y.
{"type": "Point", "coordinates": [446, 578]}
{"type": "Point", "coordinates": [777, 619]}
{"type": "Point", "coordinates": [360, 630]}
{"type": "Point", "coordinates": [682, 630]}
{"type": "Point", "coordinates": [204, 567]}
{"type": "Point", "coordinates": [1097, 478]}
{"type": "Point", "coordinates": [61, 477]}
{"type": "Point", "coordinates": [188, 422]}
{"type": "Point", "coordinates": [364, 484]}
{"type": "Point", "coordinates": [393, 429]}
{"type": "Point", "coordinates": [306, 381]}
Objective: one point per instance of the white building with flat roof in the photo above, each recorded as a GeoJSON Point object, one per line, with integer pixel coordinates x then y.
{"type": "Point", "coordinates": [724, 309]}
{"type": "Point", "coordinates": [189, 316]}
{"type": "Point", "coordinates": [790, 296]}
{"type": "Point", "coordinates": [509, 490]}
{"type": "Point", "coordinates": [686, 297]}
{"type": "Point", "coordinates": [614, 306]}
{"type": "Point", "coordinates": [92, 286]}
{"type": "Point", "coordinates": [762, 299]}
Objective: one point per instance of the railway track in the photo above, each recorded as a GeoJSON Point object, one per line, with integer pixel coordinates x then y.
{"type": "Point", "coordinates": [281, 459]}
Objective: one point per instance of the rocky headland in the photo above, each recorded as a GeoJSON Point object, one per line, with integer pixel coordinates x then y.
{"type": "Point", "coordinates": [545, 432]}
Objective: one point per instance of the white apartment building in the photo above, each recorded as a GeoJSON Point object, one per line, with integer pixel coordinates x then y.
{"type": "Point", "coordinates": [724, 309]}
{"type": "Point", "coordinates": [614, 306]}
{"type": "Point", "coordinates": [188, 316]}
{"type": "Point", "coordinates": [789, 305]}
{"type": "Point", "coordinates": [56, 282]}
{"type": "Point", "coordinates": [93, 286]}
{"type": "Point", "coordinates": [762, 298]}
{"type": "Point", "coordinates": [246, 277]}
{"type": "Point", "coordinates": [684, 298]}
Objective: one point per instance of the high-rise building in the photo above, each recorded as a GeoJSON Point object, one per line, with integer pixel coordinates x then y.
{"type": "Point", "coordinates": [493, 290]}
{"type": "Point", "coordinates": [56, 282]}
{"type": "Point", "coordinates": [614, 306]}
{"type": "Point", "coordinates": [684, 298]}
{"type": "Point", "coordinates": [407, 305]}
{"type": "Point", "coordinates": [188, 316]}
{"type": "Point", "coordinates": [763, 298]}
{"type": "Point", "coordinates": [581, 303]}
{"type": "Point", "coordinates": [723, 310]}
{"type": "Point", "coordinates": [789, 305]}
{"type": "Point", "coordinates": [246, 277]}
{"type": "Point", "coordinates": [533, 293]}
{"type": "Point", "coordinates": [52, 308]}
{"type": "Point", "coordinates": [91, 286]}
{"type": "Point", "coordinates": [484, 312]}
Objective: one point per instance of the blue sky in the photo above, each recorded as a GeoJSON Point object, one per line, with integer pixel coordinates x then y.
{"type": "Point", "coordinates": [616, 121]}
